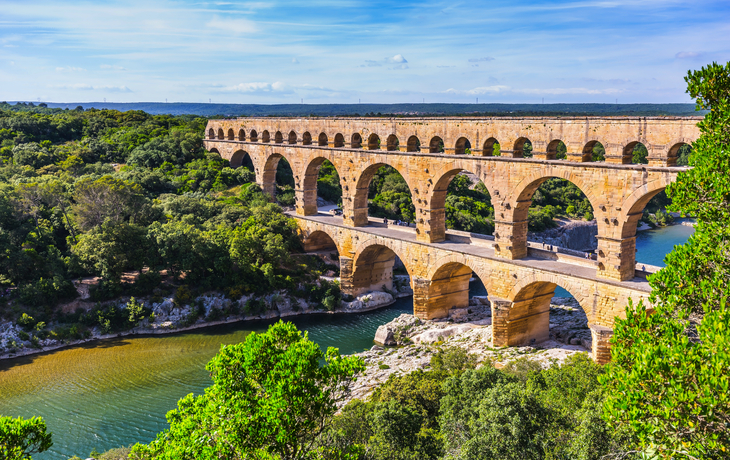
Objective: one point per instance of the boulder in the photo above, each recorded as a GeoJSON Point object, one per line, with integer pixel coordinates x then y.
{"type": "Point", "coordinates": [458, 315]}
{"type": "Point", "coordinates": [384, 336]}
{"type": "Point", "coordinates": [435, 335]}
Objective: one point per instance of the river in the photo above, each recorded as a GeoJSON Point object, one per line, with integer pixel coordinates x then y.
{"type": "Point", "coordinates": [116, 392]}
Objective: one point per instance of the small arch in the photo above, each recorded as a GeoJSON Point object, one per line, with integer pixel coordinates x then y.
{"type": "Point", "coordinates": [241, 135]}
{"type": "Point", "coordinates": [414, 144]}
{"type": "Point", "coordinates": [306, 138]}
{"type": "Point", "coordinates": [254, 137]}
{"type": "Point", "coordinates": [523, 148]}
{"type": "Point", "coordinates": [356, 141]}
{"type": "Point", "coordinates": [231, 136]}
{"type": "Point", "coordinates": [635, 153]}
{"type": "Point", "coordinates": [594, 151]}
{"type": "Point", "coordinates": [339, 140]}
{"type": "Point", "coordinates": [463, 146]}
{"type": "Point", "coordinates": [322, 140]}
{"type": "Point", "coordinates": [436, 145]}
{"type": "Point", "coordinates": [278, 138]}
{"type": "Point", "coordinates": [556, 150]}
{"type": "Point", "coordinates": [491, 148]}
{"type": "Point", "coordinates": [678, 154]}
{"type": "Point", "coordinates": [265, 137]}
{"type": "Point", "coordinates": [220, 134]}
{"type": "Point", "coordinates": [211, 133]}
{"type": "Point", "coordinates": [392, 143]}
{"type": "Point", "coordinates": [374, 142]}
{"type": "Point", "coordinates": [292, 137]}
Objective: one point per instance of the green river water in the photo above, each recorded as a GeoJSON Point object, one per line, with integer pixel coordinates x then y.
{"type": "Point", "coordinates": [116, 392]}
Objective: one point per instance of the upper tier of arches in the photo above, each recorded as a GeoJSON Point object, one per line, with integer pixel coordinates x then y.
{"type": "Point", "coordinates": [609, 140]}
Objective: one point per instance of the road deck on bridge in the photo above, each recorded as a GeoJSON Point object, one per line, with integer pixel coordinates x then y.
{"type": "Point", "coordinates": [409, 234]}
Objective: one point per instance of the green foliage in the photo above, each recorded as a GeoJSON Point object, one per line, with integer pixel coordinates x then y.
{"type": "Point", "coordinates": [20, 438]}
{"type": "Point", "coordinates": [670, 373]}
{"type": "Point", "coordinates": [270, 398]}
{"type": "Point", "coordinates": [452, 360]}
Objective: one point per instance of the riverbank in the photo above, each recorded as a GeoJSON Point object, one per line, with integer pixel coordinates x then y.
{"type": "Point", "coordinates": [205, 311]}
{"type": "Point", "coordinates": [407, 343]}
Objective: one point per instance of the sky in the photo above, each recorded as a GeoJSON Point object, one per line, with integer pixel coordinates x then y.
{"type": "Point", "coordinates": [345, 51]}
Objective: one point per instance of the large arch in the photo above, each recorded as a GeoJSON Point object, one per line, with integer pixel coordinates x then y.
{"type": "Point", "coordinates": [309, 184]}
{"type": "Point", "coordinates": [372, 266]}
{"type": "Point", "coordinates": [437, 201]}
{"type": "Point", "coordinates": [448, 286]}
{"type": "Point", "coordinates": [241, 158]}
{"type": "Point", "coordinates": [268, 176]}
{"type": "Point", "coordinates": [320, 240]}
{"type": "Point", "coordinates": [362, 187]}
{"type": "Point", "coordinates": [527, 321]}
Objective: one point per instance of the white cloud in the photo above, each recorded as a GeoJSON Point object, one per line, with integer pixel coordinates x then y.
{"type": "Point", "coordinates": [398, 58]}
{"type": "Point", "coordinates": [481, 59]}
{"type": "Point", "coordinates": [112, 67]}
{"type": "Point", "coordinates": [236, 26]}
{"type": "Point", "coordinates": [87, 87]}
{"type": "Point", "coordinates": [258, 87]}
{"type": "Point", "coordinates": [687, 55]}
{"type": "Point", "coordinates": [70, 69]}
{"type": "Point", "coordinates": [295, 61]}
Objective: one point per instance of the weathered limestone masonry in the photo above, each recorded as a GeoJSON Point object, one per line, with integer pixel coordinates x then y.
{"type": "Point", "coordinates": [357, 147]}
{"type": "Point", "coordinates": [520, 291]}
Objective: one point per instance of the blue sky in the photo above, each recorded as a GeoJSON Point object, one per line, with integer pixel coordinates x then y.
{"type": "Point", "coordinates": [330, 51]}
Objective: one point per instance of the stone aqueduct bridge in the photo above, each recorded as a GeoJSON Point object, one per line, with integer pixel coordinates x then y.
{"type": "Point", "coordinates": [520, 281]}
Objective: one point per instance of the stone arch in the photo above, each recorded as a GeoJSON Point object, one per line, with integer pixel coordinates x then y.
{"type": "Point", "coordinates": [362, 187]}
{"type": "Point", "coordinates": [588, 150]}
{"type": "Point", "coordinates": [462, 144]}
{"type": "Point", "coordinates": [488, 147]}
{"type": "Point", "coordinates": [309, 183]}
{"type": "Point", "coordinates": [522, 193]}
{"type": "Point", "coordinates": [254, 136]}
{"type": "Point", "coordinates": [241, 158]}
{"type": "Point", "coordinates": [552, 150]}
{"type": "Point", "coordinates": [628, 152]}
{"type": "Point", "coordinates": [278, 138]}
{"type": "Point", "coordinates": [292, 138]}
{"type": "Point", "coordinates": [519, 147]}
{"type": "Point", "coordinates": [356, 141]}
{"type": "Point", "coordinates": [306, 138]}
{"type": "Point", "coordinates": [448, 286]}
{"type": "Point", "coordinates": [231, 136]}
{"type": "Point", "coordinates": [436, 145]}
{"type": "Point", "coordinates": [211, 133]}
{"type": "Point", "coordinates": [320, 240]}
{"type": "Point", "coordinates": [673, 152]}
{"type": "Point", "coordinates": [372, 266]}
{"type": "Point", "coordinates": [527, 321]}
{"type": "Point", "coordinates": [438, 195]}
{"type": "Point", "coordinates": [374, 142]}
{"type": "Point", "coordinates": [414, 144]}
{"type": "Point", "coordinates": [636, 202]}
{"type": "Point", "coordinates": [265, 136]}
{"type": "Point", "coordinates": [220, 134]}
{"type": "Point", "coordinates": [392, 143]}
{"type": "Point", "coordinates": [241, 135]}
{"type": "Point", "coordinates": [268, 177]}
{"type": "Point", "coordinates": [322, 140]}
{"type": "Point", "coordinates": [214, 150]}
{"type": "Point", "coordinates": [339, 140]}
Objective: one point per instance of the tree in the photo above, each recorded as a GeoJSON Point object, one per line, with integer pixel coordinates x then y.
{"type": "Point", "coordinates": [270, 398]}
{"type": "Point", "coordinates": [670, 378]}
{"type": "Point", "coordinates": [20, 438]}
{"type": "Point", "coordinates": [31, 154]}
{"type": "Point", "coordinates": [108, 198]}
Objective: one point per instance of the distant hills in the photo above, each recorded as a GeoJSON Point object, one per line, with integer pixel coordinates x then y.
{"type": "Point", "coordinates": [324, 110]}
